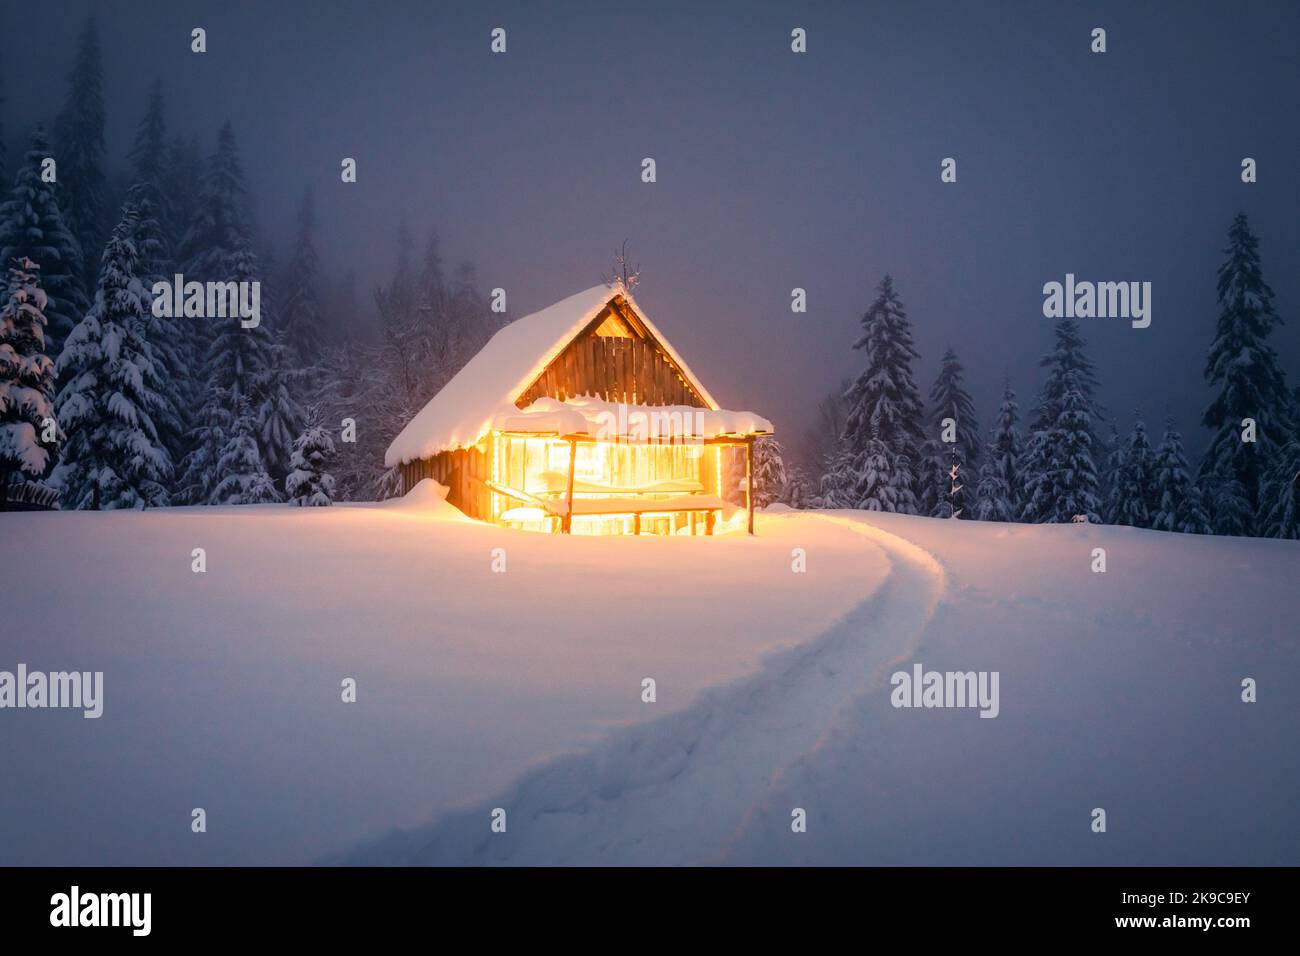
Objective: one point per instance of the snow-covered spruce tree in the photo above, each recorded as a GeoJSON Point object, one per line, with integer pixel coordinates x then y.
{"type": "Point", "coordinates": [300, 319]}
{"type": "Point", "coordinates": [1060, 476]}
{"type": "Point", "coordinates": [1112, 474]}
{"type": "Point", "coordinates": [236, 370]}
{"type": "Point", "coordinates": [835, 487]}
{"type": "Point", "coordinates": [998, 492]}
{"type": "Point", "coordinates": [1136, 499]}
{"type": "Point", "coordinates": [430, 289]}
{"type": "Point", "coordinates": [879, 480]}
{"type": "Point", "coordinates": [949, 400]}
{"type": "Point", "coordinates": [882, 432]}
{"type": "Point", "coordinates": [1250, 380]}
{"type": "Point", "coordinates": [471, 318]}
{"type": "Point", "coordinates": [32, 227]}
{"type": "Point", "coordinates": [279, 417]}
{"type": "Point", "coordinates": [219, 225]}
{"type": "Point", "coordinates": [769, 472]}
{"type": "Point", "coordinates": [244, 480]}
{"type": "Point", "coordinates": [148, 153]}
{"type": "Point", "coordinates": [993, 501]}
{"type": "Point", "coordinates": [182, 185]}
{"type": "Point", "coordinates": [396, 302]}
{"type": "Point", "coordinates": [308, 482]}
{"type": "Point", "coordinates": [1227, 502]}
{"type": "Point", "coordinates": [1279, 509]}
{"type": "Point", "coordinates": [1179, 505]}
{"type": "Point", "coordinates": [111, 396]}
{"type": "Point", "coordinates": [798, 488]}
{"type": "Point", "coordinates": [207, 437]}
{"type": "Point", "coordinates": [27, 441]}
{"type": "Point", "coordinates": [79, 136]}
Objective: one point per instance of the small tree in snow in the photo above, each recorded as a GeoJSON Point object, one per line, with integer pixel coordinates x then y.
{"type": "Point", "coordinates": [244, 481]}
{"type": "Point", "coordinates": [992, 494]}
{"type": "Point", "coordinates": [769, 472]}
{"type": "Point", "coordinates": [878, 484]}
{"type": "Point", "coordinates": [308, 483]}
{"type": "Point", "coordinates": [1135, 497]}
{"type": "Point", "coordinates": [26, 378]}
{"type": "Point", "coordinates": [1179, 504]}
{"type": "Point", "coordinates": [1060, 477]}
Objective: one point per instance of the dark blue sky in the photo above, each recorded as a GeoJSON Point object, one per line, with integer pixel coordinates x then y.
{"type": "Point", "coordinates": [774, 169]}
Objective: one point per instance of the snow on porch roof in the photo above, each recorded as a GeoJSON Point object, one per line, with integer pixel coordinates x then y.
{"type": "Point", "coordinates": [492, 381]}
{"type": "Point", "coordinates": [604, 420]}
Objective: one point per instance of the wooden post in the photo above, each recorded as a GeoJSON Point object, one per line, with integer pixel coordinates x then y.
{"type": "Point", "coordinates": [749, 481]}
{"type": "Point", "coordinates": [568, 496]}
{"type": "Point", "coordinates": [636, 522]}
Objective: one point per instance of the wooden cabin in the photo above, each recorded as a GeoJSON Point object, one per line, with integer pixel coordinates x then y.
{"type": "Point", "coordinates": [581, 418]}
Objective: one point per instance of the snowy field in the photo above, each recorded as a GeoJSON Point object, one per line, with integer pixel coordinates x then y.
{"type": "Point", "coordinates": [522, 690]}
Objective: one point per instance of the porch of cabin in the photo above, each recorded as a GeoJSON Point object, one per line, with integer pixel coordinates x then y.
{"type": "Point", "coordinates": [579, 485]}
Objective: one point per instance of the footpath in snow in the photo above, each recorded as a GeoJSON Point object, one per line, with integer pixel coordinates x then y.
{"type": "Point", "coordinates": [682, 789]}
{"type": "Point", "coordinates": [1119, 690]}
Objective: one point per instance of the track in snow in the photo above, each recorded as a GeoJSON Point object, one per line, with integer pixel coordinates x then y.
{"type": "Point", "coordinates": [683, 788]}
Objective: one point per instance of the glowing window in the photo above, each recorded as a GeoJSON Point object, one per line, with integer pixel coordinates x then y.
{"type": "Point", "coordinates": [590, 465]}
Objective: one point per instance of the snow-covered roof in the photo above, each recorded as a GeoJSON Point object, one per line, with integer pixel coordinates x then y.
{"type": "Point", "coordinates": [494, 379]}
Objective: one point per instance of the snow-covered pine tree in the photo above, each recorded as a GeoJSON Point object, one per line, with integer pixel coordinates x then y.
{"type": "Point", "coordinates": [219, 224]}
{"type": "Point", "coordinates": [79, 136]}
{"type": "Point", "coordinates": [1250, 380]}
{"type": "Point", "coordinates": [148, 153]}
{"type": "Point", "coordinates": [1227, 502]}
{"type": "Point", "coordinates": [32, 227]}
{"type": "Point", "coordinates": [949, 400]}
{"type": "Point", "coordinates": [27, 444]}
{"type": "Point", "coordinates": [279, 417]}
{"type": "Point", "coordinates": [1000, 498]}
{"type": "Point", "coordinates": [1179, 505]}
{"type": "Point", "coordinates": [165, 334]}
{"type": "Point", "coordinates": [769, 472]}
{"type": "Point", "coordinates": [396, 302]}
{"type": "Point", "coordinates": [1279, 509]}
{"type": "Point", "coordinates": [430, 289]}
{"type": "Point", "coordinates": [882, 432]}
{"type": "Point", "coordinates": [993, 500]}
{"type": "Point", "coordinates": [879, 480]}
{"type": "Point", "coordinates": [1060, 476]}
{"type": "Point", "coordinates": [207, 437]}
{"type": "Point", "coordinates": [111, 396]}
{"type": "Point", "coordinates": [308, 482]}
{"type": "Point", "coordinates": [300, 319]}
{"type": "Point", "coordinates": [834, 487]}
{"type": "Point", "coordinates": [472, 320]}
{"type": "Point", "coordinates": [1112, 475]}
{"type": "Point", "coordinates": [798, 488]}
{"type": "Point", "coordinates": [181, 185]}
{"type": "Point", "coordinates": [244, 480]}
{"type": "Point", "coordinates": [238, 359]}
{"type": "Point", "coordinates": [237, 370]}
{"type": "Point", "coordinates": [1136, 497]}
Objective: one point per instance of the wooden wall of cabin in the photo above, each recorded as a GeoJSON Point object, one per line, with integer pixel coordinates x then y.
{"type": "Point", "coordinates": [633, 370]}
{"type": "Point", "coordinates": [465, 472]}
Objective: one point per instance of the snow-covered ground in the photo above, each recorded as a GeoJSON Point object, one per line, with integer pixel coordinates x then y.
{"type": "Point", "coordinates": [522, 690]}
